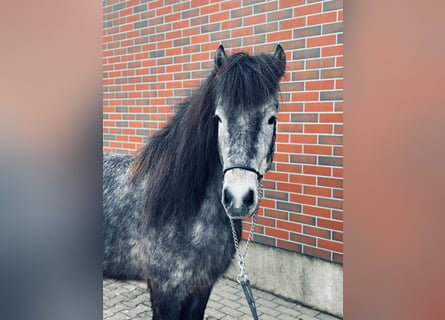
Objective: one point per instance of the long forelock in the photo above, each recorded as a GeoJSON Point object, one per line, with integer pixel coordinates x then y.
{"type": "Point", "coordinates": [247, 81]}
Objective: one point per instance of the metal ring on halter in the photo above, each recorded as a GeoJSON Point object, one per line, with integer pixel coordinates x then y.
{"type": "Point", "coordinates": [260, 176]}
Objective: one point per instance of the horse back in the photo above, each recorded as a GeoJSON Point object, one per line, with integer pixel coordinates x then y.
{"type": "Point", "coordinates": [122, 207]}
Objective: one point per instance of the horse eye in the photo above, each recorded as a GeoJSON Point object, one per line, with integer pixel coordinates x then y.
{"type": "Point", "coordinates": [217, 117]}
{"type": "Point", "coordinates": [272, 120]}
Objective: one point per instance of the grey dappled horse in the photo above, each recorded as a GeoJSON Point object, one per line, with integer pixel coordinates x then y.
{"type": "Point", "coordinates": [166, 210]}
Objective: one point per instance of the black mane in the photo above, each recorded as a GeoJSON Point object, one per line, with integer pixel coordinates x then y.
{"type": "Point", "coordinates": [182, 157]}
{"type": "Point", "coordinates": [248, 81]}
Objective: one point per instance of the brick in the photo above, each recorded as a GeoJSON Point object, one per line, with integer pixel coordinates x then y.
{"type": "Point", "coordinates": [163, 28]}
{"type": "Point", "coordinates": [276, 233]}
{"type": "Point", "coordinates": [323, 254]}
{"type": "Point", "coordinates": [232, 23]}
{"type": "Point", "coordinates": [190, 13]}
{"type": "Point", "coordinates": [198, 3]}
{"type": "Point", "coordinates": [316, 211]}
{"type": "Point", "coordinates": [320, 41]}
{"type": "Point", "coordinates": [265, 221]}
{"type": "Point", "coordinates": [302, 218]}
{"type": "Point", "coordinates": [333, 27]}
{"type": "Point", "coordinates": [305, 96]}
{"type": "Point", "coordinates": [330, 139]}
{"type": "Point", "coordinates": [332, 5]}
{"type": "Point", "coordinates": [317, 191]}
{"type": "Point", "coordinates": [317, 149]}
{"type": "Point", "coordinates": [277, 214]}
{"type": "Point", "coordinates": [255, 20]}
{"type": "Point", "coordinates": [279, 36]}
{"type": "Point", "coordinates": [303, 179]}
{"type": "Point", "coordinates": [302, 239]}
{"type": "Point", "coordinates": [226, 5]}
{"type": "Point", "coordinates": [140, 8]}
{"type": "Point", "coordinates": [289, 226]}
{"type": "Point", "coordinates": [330, 161]}
{"type": "Point", "coordinates": [330, 224]}
{"type": "Point", "coordinates": [284, 127]}
{"type": "Point", "coordinates": [318, 128]}
{"type": "Point", "coordinates": [289, 148]}
{"type": "Point", "coordinates": [307, 32]}
{"type": "Point", "coordinates": [303, 199]}
{"type": "Point", "coordinates": [211, 9]}
{"type": "Point", "coordinates": [242, 12]}
{"type": "Point", "coordinates": [337, 193]}
{"type": "Point", "coordinates": [290, 3]}
{"type": "Point", "coordinates": [332, 51]}
{"type": "Point", "coordinates": [266, 28]}
{"type": "Point", "coordinates": [157, 54]}
{"type": "Point", "coordinates": [330, 245]}
{"type": "Point", "coordinates": [252, 40]}
{"type": "Point", "coordinates": [306, 159]}
{"type": "Point", "coordinates": [317, 170]}
{"type": "Point", "coordinates": [304, 117]}
{"type": "Point", "coordinates": [336, 117]}
{"type": "Point", "coordinates": [322, 18]}
{"type": "Point", "coordinates": [317, 232]}
{"type": "Point", "coordinates": [293, 44]}
{"type": "Point", "coordinates": [288, 206]}
{"type": "Point", "coordinates": [265, 7]}
{"type": "Point", "coordinates": [118, 6]}
{"type": "Point", "coordinates": [241, 32]}
{"type": "Point", "coordinates": [199, 20]}
{"type": "Point", "coordinates": [200, 39]}
{"type": "Point", "coordinates": [338, 129]}
{"type": "Point", "coordinates": [303, 138]}
{"type": "Point", "coordinates": [276, 195]}
{"type": "Point", "coordinates": [320, 85]}
{"type": "Point", "coordinates": [140, 24]}
{"type": "Point", "coordinates": [305, 75]}
{"type": "Point", "coordinates": [279, 15]}
{"type": "Point", "coordinates": [332, 73]}
{"type": "Point", "coordinates": [306, 54]}
{"type": "Point", "coordinates": [307, 10]}
{"type": "Point", "coordinates": [264, 240]}
{"type": "Point", "coordinates": [336, 257]}
{"type": "Point", "coordinates": [337, 236]}
{"type": "Point", "coordinates": [220, 35]}
{"type": "Point", "coordinates": [289, 246]}
{"type": "Point", "coordinates": [290, 187]}
{"type": "Point", "coordinates": [330, 203]}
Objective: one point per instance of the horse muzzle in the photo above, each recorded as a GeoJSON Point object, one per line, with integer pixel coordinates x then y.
{"type": "Point", "coordinates": [240, 192]}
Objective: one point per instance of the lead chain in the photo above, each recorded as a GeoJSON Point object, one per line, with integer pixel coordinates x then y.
{"type": "Point", "coordinates": [242, 256]}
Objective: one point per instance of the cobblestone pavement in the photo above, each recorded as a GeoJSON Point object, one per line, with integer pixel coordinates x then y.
{"type": "Point", "coordinates": [130, 300]}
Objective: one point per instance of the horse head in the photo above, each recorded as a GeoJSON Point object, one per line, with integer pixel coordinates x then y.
{"type": "Point", "coordinates": [246, 99]}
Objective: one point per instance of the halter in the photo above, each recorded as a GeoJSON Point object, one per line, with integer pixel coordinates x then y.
{"type": "Point", "coordinates": [259, 175]}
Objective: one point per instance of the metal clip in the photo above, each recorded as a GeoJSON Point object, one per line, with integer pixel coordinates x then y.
{"type": "Point", "coordinates": [242, 275]}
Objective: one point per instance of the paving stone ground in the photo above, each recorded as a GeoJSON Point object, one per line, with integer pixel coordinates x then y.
{"type": "Point", "coordinates": [130, 300]}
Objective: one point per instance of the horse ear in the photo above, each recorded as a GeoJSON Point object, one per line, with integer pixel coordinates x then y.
{"type": "Point", "coordinates": [220, 57]}
{"type": "Point", "coordinates": [281, 56]}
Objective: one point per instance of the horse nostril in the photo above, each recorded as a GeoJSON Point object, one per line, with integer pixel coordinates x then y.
{"type": "Point", "coordinates": [249, 199]}
{"type": "Point", "coordinates": [227, 200]}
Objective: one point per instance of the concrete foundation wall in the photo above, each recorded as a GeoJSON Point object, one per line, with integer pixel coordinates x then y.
{"type": "Point", "coordinates": [310, 281]}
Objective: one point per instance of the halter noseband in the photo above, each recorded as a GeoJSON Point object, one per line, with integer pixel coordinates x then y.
{"type": "Point", "coordinates": [260, 176]}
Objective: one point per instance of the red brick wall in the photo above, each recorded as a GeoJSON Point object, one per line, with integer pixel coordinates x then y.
{"type": "Point", "coordinates": [156, 52]}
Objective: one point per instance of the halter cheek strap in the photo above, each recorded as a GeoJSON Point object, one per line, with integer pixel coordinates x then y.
{"type": "Point", "coordinates": [260, 176]}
